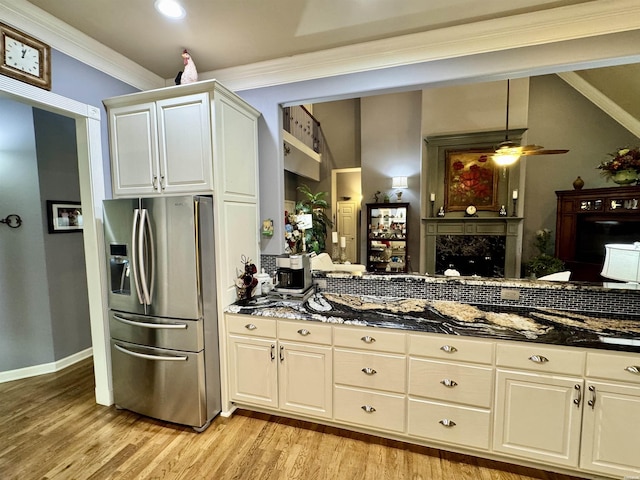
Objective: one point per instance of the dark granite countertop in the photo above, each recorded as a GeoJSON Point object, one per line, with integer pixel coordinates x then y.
{"type": "Point", "coordinates": [542, 325]}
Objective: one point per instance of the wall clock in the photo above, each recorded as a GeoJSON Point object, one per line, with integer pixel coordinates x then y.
{"type": "Point", "coordinates": [24, 58]}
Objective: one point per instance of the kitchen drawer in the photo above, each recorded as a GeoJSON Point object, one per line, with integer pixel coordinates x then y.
{"type": "Point", "coordinates": [372, 339]}
{"type": "Point", "coordinates": [467, 426]}
{"type": "Point", "coordinates": [376, 410]}
{"type": "Point", "coordinates": [451, 382]}
{"type": "Point", "coordinates": [611, 366]}
{"type": "Point", "coordinates": [172, 333]}
{"type": "Point", "coordinates": [451, 347]}
{"type": "Point", "coordinates": [370, 370]}
{"type": "Point", "coordinates": [308, 332]}
{"type": "Point", "coordinates": [252, 325]}
{"type": "Point", "coordinates": [541, 358]}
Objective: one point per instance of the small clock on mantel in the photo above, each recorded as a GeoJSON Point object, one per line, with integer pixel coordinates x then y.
{"type": "Point", "coordinates": [24, 58]}
{"type": "Point", "coordinates": [471, 211]}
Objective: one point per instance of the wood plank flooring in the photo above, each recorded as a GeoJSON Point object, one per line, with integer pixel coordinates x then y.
{"type": "Point", "coordinates": [51, 428]}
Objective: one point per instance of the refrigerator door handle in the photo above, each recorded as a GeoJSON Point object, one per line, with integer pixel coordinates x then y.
{"type": "Point", "coordinates": [157, 326]}
{"type": "Point", "coordinates": [145, 239]}
{"type": "Point", "coordinates": [134, 255]}
{"type": "Point", "coordinates": [177, 358]}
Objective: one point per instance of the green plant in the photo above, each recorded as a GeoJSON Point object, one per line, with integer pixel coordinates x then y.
{"type": "Point", "coordinates": [315, 204]}
{"type": "Point", "coordinates": [544, 263]}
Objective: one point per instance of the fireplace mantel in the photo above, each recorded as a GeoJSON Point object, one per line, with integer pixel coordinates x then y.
{"type": "Point", "coordinates": [508, 227]}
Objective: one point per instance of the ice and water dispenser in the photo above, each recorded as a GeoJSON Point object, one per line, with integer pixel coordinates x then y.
{"type": "Point", "coordinates": [119, 269]}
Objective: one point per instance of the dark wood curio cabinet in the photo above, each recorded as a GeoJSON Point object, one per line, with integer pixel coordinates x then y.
{"type": "Point", "coordinates": [387, 246]}
{"type": "Point", "coordinates": [589, 219]}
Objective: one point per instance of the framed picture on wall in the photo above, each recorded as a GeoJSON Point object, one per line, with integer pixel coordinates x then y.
{"type": "Point", "coordinates": [471, 178]}
{"type": "Point", "coordinates": [64, 217]}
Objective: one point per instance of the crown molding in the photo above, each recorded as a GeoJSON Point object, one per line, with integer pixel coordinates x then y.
{"type": "Point", "coordinates": [60, 36]}
{"type": "Point", "coordinates": [603, 102]}
{"type": "Point", "coordinates": [548, 26]}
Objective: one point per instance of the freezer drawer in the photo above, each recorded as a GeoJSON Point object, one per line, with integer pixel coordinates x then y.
{"type": "Point", "coordinates": [164, 384]}
{"type": "Point", "coordinates": [170, 333]}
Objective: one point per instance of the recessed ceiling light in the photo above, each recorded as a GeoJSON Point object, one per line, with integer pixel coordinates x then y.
{"type": "Point", "coordinates": [170, 8]}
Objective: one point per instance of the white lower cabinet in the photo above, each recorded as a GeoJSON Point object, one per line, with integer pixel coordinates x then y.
{"type": "Point", "coordinates": [280, 374]}
{"type": "Point", "coordinates": [538, 417]}
{"type": "Point", "coordinates": [563, 407]}
{"type": "Point", "coordinates": [612, 415]}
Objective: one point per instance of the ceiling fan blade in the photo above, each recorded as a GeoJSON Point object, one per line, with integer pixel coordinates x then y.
{"type": "Point", "coordinates": [543, 152]}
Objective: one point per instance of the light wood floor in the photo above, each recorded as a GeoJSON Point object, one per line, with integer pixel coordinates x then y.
{"type": "Point", "coordinates": [51, 428]}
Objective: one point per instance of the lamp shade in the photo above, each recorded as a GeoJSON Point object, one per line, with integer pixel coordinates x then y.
{"type": "Point", "coordinates": [399, 182]}
{"type": "Point", "coordinates": [622, 262]}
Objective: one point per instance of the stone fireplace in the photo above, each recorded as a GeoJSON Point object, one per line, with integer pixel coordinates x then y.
{"type": "Point", "coordinates": [484, 246]}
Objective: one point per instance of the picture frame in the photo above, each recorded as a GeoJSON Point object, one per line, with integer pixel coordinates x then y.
{"type": "Point", "coordinates": [471, 178]}
{"type": "Point", "coordinates": [64, 216]}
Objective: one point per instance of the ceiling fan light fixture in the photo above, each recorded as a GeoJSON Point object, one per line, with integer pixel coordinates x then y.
{"type": "Point", "coordinates": [507, 154]}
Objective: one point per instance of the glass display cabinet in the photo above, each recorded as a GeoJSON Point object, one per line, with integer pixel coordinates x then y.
{"type": "Point", "coordinates": [387, 237]}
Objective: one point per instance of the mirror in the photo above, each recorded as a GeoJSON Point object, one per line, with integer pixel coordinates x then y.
{"type": "Point", "coordinates": [581, 111]}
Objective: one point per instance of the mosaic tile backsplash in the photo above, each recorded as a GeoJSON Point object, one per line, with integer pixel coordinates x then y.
{"type": "Point", "coordinates": [560, 295]}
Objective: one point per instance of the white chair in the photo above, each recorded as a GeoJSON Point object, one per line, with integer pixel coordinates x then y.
{"type": "Point", "coordinates": [557, 277]}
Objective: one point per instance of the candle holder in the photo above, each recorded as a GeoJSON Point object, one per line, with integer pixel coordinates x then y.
{"type": "Point", "coordinates": [335, 253]}
{"type": "Point", "coordinates": [515, 205]}
{"type": "Point", "coordinates": [433, 206]}
{"type": "Point", "coordinates": [343, 254]}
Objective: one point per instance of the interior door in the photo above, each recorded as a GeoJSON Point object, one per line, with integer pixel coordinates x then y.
{"type": "Point", "coordinates": [348, 227]}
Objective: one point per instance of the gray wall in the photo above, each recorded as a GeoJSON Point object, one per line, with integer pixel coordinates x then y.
{"type": "Point", "coordinates": [560, 117]}
{"type": "Point", "coordinates": [64, 252]}
{"type": "Point", "coordinates": [391, 146]}
{"type": "Point", "coordinates": [25, 318]}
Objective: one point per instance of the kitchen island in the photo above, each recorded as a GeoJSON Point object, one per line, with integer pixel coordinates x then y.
{"type": "Point", "coordinates": [538, 386]}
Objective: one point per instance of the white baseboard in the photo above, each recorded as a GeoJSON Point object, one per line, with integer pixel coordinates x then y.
{"type": "Point", "coordinates": [43, 369]}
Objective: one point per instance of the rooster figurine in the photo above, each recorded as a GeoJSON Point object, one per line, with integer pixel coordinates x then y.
{"type": "Point", "coordinates": [190, 74]}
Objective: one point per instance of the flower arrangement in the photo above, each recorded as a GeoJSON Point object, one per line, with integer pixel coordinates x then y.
{"type": "Point", "coordinates": [292, 235]}
{"type": "Point", "coordinates": [245, 281]}
{"type": "Point", "coordinates": [312, 204]}
{"type": "Point", "coordinates": [621, 159]}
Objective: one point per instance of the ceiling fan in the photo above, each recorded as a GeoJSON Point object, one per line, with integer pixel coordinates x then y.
{"type": "Point", "coordinates": [508, 152]}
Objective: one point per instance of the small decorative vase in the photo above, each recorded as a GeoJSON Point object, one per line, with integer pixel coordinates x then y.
{"type": "Point", "coordinates": [578, 183]}
{"type": "Point", "coordinates": [625, 177]}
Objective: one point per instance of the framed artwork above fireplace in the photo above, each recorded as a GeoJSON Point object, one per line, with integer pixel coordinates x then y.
{"type": "Point", "coordinates": [471, 178]}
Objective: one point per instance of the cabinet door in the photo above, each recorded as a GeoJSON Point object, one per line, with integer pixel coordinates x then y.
{"type": "Point", "coordinates": [305, 379]}
{"type": "Point", "coordinates": [184, 136]}
{"type": "Point", "coordinates": [609, 433]}
{"type": "Point", "coordinates": [538, 417]}
{"type": "Point", "coordinates": [134, 150]}
{"type": "Point", "coordinates": [253, 370]}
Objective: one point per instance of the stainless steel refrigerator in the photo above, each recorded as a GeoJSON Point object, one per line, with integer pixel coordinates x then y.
{"type": "Point", "coordinates": [162, 307]}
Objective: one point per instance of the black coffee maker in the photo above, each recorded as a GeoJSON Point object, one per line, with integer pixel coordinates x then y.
{"type": "Point", "coordinates": [293, 274]}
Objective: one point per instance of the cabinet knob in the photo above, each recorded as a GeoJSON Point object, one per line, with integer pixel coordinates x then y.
{"type": "Point", "coordinates": [304, 332]}
{"type": "Point", "coordinates": [368, 339]}
{"type": "Point", "coordinates": [538, 359]}
{"type": "Point", "coordinates": [250, 326]}
{"type": "Point", "coordinates": [447, 423]}
{"type": "Point", "coordinates": [369, 371]}
{"type": "Point", "coordinates": [448, 383]}
{"type": "Point", "coordinates": [368, 408]}
{"type": "Point", "coordinates": [633, 369]}
{"type": "Point", "coordinates": [448, 349]}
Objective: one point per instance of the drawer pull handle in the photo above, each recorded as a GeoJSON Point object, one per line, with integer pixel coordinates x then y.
{"type": "Point", "coordinates": [368, 408]}
{"type": "Point", "coordinates": [538, 359]}
{"type": "Point", "coordinates": [273, 352]}
{"type": "Point", "coordinates": [448, 383]}
{"type": "Point", "coordinates": [304, 332]}
{"type": "Point", "coordinates": [592, 401]}
{"type": "Point", "coordinates": [633, 369]}
{"type": "Point", "coordinates": [368, 339]}
{"type": "Point", "coordinates": [369, 371]}
{"type": "Point", "coordinates": [448, 349]}
{"type": "Point", "coordinates": [447, 423]}
{"type": "Point", "coordinates": [281, 353]}
{"type": "Point", "coordinates": [578, 399]}
{"type": "Point", "coordinates": [250, 326]}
